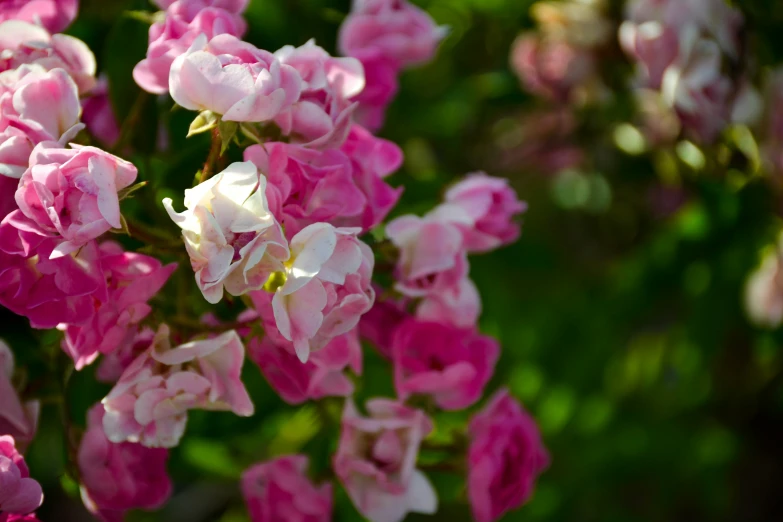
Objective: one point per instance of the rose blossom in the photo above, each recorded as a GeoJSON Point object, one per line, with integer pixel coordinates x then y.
{"type": "Point", "coordinates": [19, 494]}
{"type": "Point", "coordinates": [504, 458]}
{"type": "Point", "coordinates": [234, 79]}
{"type": "Point", "coordinates": [114, 363]}
{"type": "Point", "coordinates": [171, 37]}
{"type": "Point", "coordinates": [232, 238]}
{"type": "Point", "coordinates": [491, 206]}
{"type": "Point", "coordinates": [381, 86]}
{"type": "Point", "coordinates": [376, 461]}
{"type": "Point", "coordinates": [432, 254]}
{"type": "Point", "coordinates": [48, 291]}
{"type": "Point", "coordinates": [322, 116]}
{"type": "Point", "coordinates": [150, 402]}
{"type": "Point", "coordinates": [132, 279]}
{"type": "Point", "coordinates": [71, 194]}
{"type": "Point", "coordinates": [54, 15]}
{"type": "Point", "coordinates": [458, 304]}
{"type": "Point", "coordinates": [451, 364]}
{"type": "Point", "coordinates": [325, 287]}
{"type": "Point", "coordinates": [232, 6]}
{"type": "Point", "coordinates": [16, 419]}
{"type": "Point", "coordinates": [26, 43]}
{"type": "Point", "coordinates": [321, 376]}
{"type": "Point", "coordinates": [35, 106]}
{"type": "Point", "coordinates": [279, 491]}
{"type": "Point", "coordinates": [119, 477]}
{"type": "Point", "coordinates": [306, 186]}
{"type": "Point", "coordinates": [397, 29]}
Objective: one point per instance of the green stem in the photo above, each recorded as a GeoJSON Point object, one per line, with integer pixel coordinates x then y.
{"type": "Point", "coordinates": [214, 155]}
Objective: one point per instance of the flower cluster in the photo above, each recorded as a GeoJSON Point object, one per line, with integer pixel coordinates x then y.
{"type": "Point", "coordinates": [293, 242]}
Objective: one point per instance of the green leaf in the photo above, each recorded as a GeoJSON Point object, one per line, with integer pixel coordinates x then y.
{"type": "Point", "coordinates": [127, 192]}
{"type": "Point", "coordinates": [204, 122]}
{"type": "Point", "coordinates": [227, 130]}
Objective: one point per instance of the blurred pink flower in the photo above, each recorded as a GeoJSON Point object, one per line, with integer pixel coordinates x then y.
{"type": "Point", "coordinates": [491, 204]}
{"type": "Point", "coordinates": [458, 305]}
{"type": "Point", "coordinates": [279, 491]}
{"type": "Point", "coordinates": [450, 364]}
{"type": "Point", "coordinates": [119, 477]}
{"type": "Point", "coordinates": [98, 114]}
{"type": "Point", "coordinates": [381, 86]}
{"type": "Point", "coordinates": [27, 43]}
{"type": "Point", "coordinates": [327, 287]}
{"type": "Point", "coordinates": [35, 106]}
{"type": "Point", "coordinates": [54, 15]}
{"type": "Point", "coordinates": [321, 118]}
{"type": "Point", "coordinates": [397, 29]}
{"type": "Point", "coordinates": [234, 79]}
{"type": "Point", "coordinates": [232, 6]}
{"type": "Point", "coordinates": [71, 195]}
{"type": "Point", "coordinates": [376, 461]}
{"type": "Point", "coordinates": [505, 457]}
{"type": "Point", "coordinates": [132, 280]}
{"type": "Point", "coordinates": [551, 68]}
{"type": "Point", "coordinates": [149, 403]}
{"type": "Point", "coordinates": [18, 420]}
{"type": "Point", "coordinates": [19, 494]}
{"type": "Point", "coordinates": [232, 238]}
{"type": "Point", "coordinates": [321, 376]}
{"type": "Point", "coordinates": [172, 36]}
{"type": "Point", "coordinates": [764, 290]}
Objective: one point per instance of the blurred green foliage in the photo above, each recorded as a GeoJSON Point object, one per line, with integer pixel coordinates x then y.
{"type": "Point", "coordinates": [623, 333]}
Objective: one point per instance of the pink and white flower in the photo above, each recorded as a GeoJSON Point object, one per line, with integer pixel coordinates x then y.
{"type": "Point", "coordinates": [149, 403]}
{"type": "Point", "coordinates": [234, 79]}
{"type": "Point", "coordinates": [232, 238]}
{"type": "Point", "coordinates": [376, 461]}
{"type": "Point", "coordinates": [19, 494]}
{"type": "Point", "coordinates": [279, 490]}
{"type": "Point", "coordinates": [321, 118]}
{"type": "Point", "coordinates": [54, 15]}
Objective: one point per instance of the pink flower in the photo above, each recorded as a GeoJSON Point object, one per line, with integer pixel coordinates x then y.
{"type": "Point", "coordinates": [326, 288]}
{"type": "Point", "coordinates": [307, 186]}
{"type": "Point", "coordinates": [132, 280]}
{"type": "Point", "coordinates": [47, 291]}
{"type": "Point", "coordinates": [16, 419]}
{"type": "Point", "coordinates": [380, 323]}
{"type": "Point", "coordinates": [234, 79]}
{"type": "Point", "coordinates": [381, 86]}
{"type": "Point", "coordinates": [458, 305]}
{"type": "Point", "coordinates": [373, 159]}
{"type": "Point", "coordinates": [150, 402]}
{"type": "Point", "coordinates": [398, 29]}
{"type": "Point", "coordinates": [279, 491]}
{"type": "Point", "coordinates": [551, 68]}
{"type": "Point", "coordinates": [432, 253]}
{"type": "Point", "coordinates": [19, 494]}
{"type": "Point", "coordinates": [27, 43]}
{"type": "Point", "coordinates": [71, 195]}
{"type": "Point", "coordinates": [376, 461]}
{"type": "Point", "coordinates": [232, 238]}
{"type": "Point", "coordinates": [35, 106]}
{"type": "Point", "coordinates": [98, 114]}
{"type": "Point", "coordinates": [54, 15]}
{"type": "Point", "coordinates": [491, 206]}
{"type": "Point", "coordinates": [451, 364]}
{"type": "Point", "coordinates": [171, 37]}
{"type": "Point", "coordinates": [322, 116]}
{"type": "Point", "coordinates": [119, 477]}
{"type": "Point", "coordinates": [504, 458]}
{"type": "Point", "coordinates": [321, 376]}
